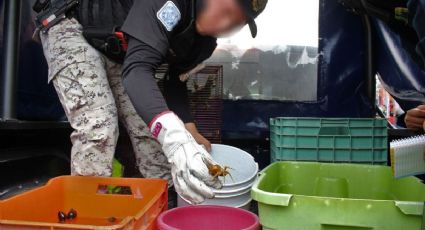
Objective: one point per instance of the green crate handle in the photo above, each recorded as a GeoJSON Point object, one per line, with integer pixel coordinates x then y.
{"type": "Point", "coordinates": [334, 127]}
{"type": "Point", "coordinates": [270, 198]}
{"type": "Point", "coordinates": [410, 207]}
{"type": "Point", "coordinates": [332, 122]}
{"type": "Point", "coordinates": [345, 226]}
{"type": "Point", "coordinates": [406, 207]}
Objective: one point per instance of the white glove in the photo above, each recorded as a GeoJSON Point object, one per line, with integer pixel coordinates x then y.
{"type": "Point", "coordinates": [188, 159]}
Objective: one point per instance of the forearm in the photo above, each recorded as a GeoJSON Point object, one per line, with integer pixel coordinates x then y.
{"type": "Point", "coordinates": [175, 92]}
{"type": "Point", "coordinates": [138, 79]}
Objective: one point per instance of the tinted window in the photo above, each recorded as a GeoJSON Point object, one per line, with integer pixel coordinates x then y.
{"type": "Point", "coordinates": [281, 63]}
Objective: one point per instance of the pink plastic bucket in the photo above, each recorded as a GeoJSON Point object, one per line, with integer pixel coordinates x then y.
{"type": "Point", "coordinates": [207, 218]}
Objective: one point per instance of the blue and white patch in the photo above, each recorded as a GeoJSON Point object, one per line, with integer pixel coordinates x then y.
{"type": "Point", "coordinates": [169, 15]}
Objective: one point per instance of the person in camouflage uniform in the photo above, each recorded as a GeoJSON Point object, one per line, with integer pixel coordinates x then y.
{"type": "Point", "coordinates": [89, 86]}
{"type": "Point", "coordinates": [96, 93]}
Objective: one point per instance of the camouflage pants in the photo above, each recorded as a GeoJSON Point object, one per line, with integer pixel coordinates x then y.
{"type": "Point", "coordinates": [90, 89]}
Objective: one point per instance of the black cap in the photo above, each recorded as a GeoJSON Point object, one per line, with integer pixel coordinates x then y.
{"type": "Point", "coordinates": [252, 9]}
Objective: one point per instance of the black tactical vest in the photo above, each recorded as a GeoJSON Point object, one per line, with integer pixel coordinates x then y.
{"type": "Point", "coordinates": [187, 47]}
{"type": "Point", "coordinates": [101, 19]}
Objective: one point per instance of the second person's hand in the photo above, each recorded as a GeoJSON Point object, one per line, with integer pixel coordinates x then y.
{"type": "Point", "coordinates": [415, 118]}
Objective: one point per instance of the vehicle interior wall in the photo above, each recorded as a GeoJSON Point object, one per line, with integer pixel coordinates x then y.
{"type": "Point", "coordinates": [399, 68]}
{"type": "Point", "coordinates": [341, 76]}
{"type": "Point", "coordinates": [36, 100]}
{"type": "Point", "coordinates": [324, 79]}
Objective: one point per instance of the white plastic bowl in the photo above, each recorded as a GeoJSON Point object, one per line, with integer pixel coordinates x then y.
{"type": "Point", "coordinates": [241, 201]}
{"type": "Point", "coordinates": [243, 167]}
{"type": "Point", "coordinates": [244, 170]}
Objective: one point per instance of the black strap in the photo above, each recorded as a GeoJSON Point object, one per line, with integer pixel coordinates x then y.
{"type": "Point", "coordinates": [40, 5]}
{"type": "Point", "coordinates": [192, 19]}
{"type": "Point", "coordinates": [107, 10]}
{"type": "Point", "coordinates": [96, 12]}
{"type": "Point", "coordinates": [120, 11]}
{"type": "Point", "coordinates": [83, 15]}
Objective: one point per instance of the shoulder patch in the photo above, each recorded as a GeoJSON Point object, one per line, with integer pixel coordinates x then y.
{"type": "Point", "coordinates": [169, 15]}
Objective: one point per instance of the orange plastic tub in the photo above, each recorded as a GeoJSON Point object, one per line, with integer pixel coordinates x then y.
{"type": "Point", "coordinates": [101, 203]}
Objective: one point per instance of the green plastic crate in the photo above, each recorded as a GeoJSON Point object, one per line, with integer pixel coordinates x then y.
{"type": "Point", "coordinates": [351, 140]}
{"type": "Point", "coordinates": [323, 196]}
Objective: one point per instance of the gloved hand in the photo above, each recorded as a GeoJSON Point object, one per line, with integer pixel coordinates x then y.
{"type": "Point", "coordinates": [188, 159]}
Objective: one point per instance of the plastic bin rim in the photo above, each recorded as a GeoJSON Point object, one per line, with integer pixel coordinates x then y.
{"type": "Point", "coordinates": [161, 216]}
{"type": "Point", "coordinates": [124, 222]}
{"type": "Point", "coordinates": [248, 155]}
{"type": "Point", "coordinates": [53, 180]}
{"type": "Point", "coordinates": [283, 199]}
{"type": "Point", "coordinates": [406, 207]}
{"type": "Point", "coordinates": [247, 187]}
{"type": "Point", "coordinates": [287, 195]}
